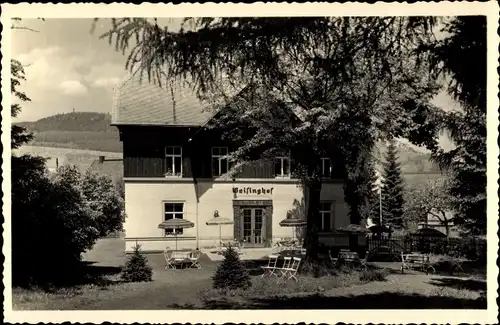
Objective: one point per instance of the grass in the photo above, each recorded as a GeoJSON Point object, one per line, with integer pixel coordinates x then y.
{"type": "Point", "coordinates": [192, 288]}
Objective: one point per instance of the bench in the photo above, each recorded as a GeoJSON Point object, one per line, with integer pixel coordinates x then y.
{"type": "Point", "coordinates": [417, 261]}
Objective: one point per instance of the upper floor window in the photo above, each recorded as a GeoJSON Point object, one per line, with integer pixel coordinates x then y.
{"type": "Point", "coordinates": [173, 161]}
{"type": "Point", "coordinates": [173, 211]}
{"type": "Point", "coordinates": [220, 163]}
{"type": "Point", "coordinates": [325, 212]}
{"type": "Point", "coordinates": [326, 167]}
{"type": "Point", "coordinates": [282, 166]}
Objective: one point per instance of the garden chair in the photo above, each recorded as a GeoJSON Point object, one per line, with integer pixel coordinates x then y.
{"type": "Point", "coordinates": [287, 264]}
{"type": "Point", "coordinates": [290, 272]}
{"type": "Point", "coordinates": [333, 260]}
{"type": "Point", "coordinates": [270, 268]}
{"type": "Point", "coordinates": [167, 254]}
{"type": "Point", "coordinates": [193, 258]}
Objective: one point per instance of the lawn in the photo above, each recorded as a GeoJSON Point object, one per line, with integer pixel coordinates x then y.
{"type": "Point", "coordinates": [191, 288]}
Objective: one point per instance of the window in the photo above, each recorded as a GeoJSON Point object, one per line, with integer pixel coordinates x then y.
{"type": "Point", "coordinates": [173, 161]}
{"type": "Point", "coordinates": [220, 163]}
{"type": "Point", "coordinates": [173, 211]}
{"type": "Point", "coordinates": [325, 212]}
{"type": "Point", "coordinates": [282, 166]}
{"type": "Point", "coordinates": [326, 167]}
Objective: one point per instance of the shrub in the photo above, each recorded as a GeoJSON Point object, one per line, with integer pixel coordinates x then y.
{"type": "Point", "coordinates": [137, 269]}
{"type": "Point", "coordinates": [231, 274]}
{"type": "Point", "coordinates": [372, 275]}
{"type": "Point", "coordinates": [317, 270]}
{"type": "Point", "coordinates": [65, 211]}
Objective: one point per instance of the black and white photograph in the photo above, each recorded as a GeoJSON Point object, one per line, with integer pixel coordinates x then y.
{"type": "Point", "coordinates": [226, 157]}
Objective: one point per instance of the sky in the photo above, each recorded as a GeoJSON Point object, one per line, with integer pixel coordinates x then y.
{"type": "Point", "coordinates": [69, 68]}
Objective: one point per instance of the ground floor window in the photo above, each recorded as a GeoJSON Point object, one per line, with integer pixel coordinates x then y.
{"type": "Point", "coordinates": [325, 212]}
{"type": "Point", "coordinates": [173, 211]}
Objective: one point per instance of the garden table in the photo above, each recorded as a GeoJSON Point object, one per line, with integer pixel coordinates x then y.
{"type": "Point", "coordinates": [180, 258]}
{"type": "Point", "coordinates": [417, 260]}
{"type": "Point", "coordinates": [351, 258]}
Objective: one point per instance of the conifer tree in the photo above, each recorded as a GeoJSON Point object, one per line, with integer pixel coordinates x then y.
{"type": "Point", "coordinates": [137, 269]}
{"type": "Point", "coordinates": [461, 58]}
{"type": "Point", "coordinates": [231, 274]}
{"type": "Point", "coordinates": [393, 186]}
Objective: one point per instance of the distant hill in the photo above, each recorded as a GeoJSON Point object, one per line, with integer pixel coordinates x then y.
{"type": "Point", "coordinates": [92, 131]}
{"type": "Point", "coordinates": [76, 121]}
{"type": "Point", "coordinates": [78, 130]}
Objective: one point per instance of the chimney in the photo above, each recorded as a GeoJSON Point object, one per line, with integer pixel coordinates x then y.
{"type": "Point", "coordinates": [101, 159]}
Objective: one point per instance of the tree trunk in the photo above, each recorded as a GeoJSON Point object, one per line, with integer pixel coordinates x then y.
{"type": "Point", "coordinates": [446, 225]}
{"type": "Point", "coordinates": [311, 242]}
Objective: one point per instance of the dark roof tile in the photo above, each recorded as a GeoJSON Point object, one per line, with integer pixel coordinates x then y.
{"type": "Point", "coordinates": [140, 102]}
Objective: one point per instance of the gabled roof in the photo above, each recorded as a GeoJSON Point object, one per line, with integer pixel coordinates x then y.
{"type": "Point", "coordinates": [140, 102]}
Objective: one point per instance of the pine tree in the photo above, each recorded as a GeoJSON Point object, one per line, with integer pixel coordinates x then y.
{"type": "Point", "coordinates": [393, 186]}
{"type": "Point", "coordinates": [231, 274]}
{"type": "Point", "coordinates": [137, 269]}
{"type": "Point", "coordinates": [466, 163]}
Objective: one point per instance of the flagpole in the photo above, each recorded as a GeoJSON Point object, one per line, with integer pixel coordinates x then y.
{"type": "Point", "coordinates": [380, 203]}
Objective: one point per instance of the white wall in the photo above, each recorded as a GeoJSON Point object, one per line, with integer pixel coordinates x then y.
{"type": "Point", "coordinates": [144, 208]}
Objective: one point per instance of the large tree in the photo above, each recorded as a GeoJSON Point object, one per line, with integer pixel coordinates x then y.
{"type": "Point", "coordinates": [19, 134]}
{"type": "Point", "coordinates": [428, 199]}
{"type": "Point", "coordinates": [460, 58]}
{"type": "Point", "coordinates": [348, 82]}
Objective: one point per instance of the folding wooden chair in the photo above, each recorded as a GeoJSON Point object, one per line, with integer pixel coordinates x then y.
{"type": "Point", "coordinates": [193, 258]}
{"type": "Point", "coordinates": [333, 260]}
{"type": "Point", "coordinates": [287, 264]}
{"type": "Point", "coordinates": [291, 271]}
{"type": "Point", "coordinates": [167, 254]}
{"type": "Point", "coordinates": [270, 268]}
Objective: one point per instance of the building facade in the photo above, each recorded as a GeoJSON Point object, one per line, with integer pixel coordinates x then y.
{"type": "Point", "coordinates": [173, 167]}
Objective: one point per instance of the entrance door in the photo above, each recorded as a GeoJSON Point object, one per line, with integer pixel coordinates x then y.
{"type": "Point", "coordinates": [253, 227]}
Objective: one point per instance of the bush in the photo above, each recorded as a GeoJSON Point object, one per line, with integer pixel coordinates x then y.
{"type": "Point", "coordinates": [317, 270]}
{"type": "Point", "coordinates": [373, 275]}
{"type": "Point", "coordinates": [231, 274]}
{"type": "Point", "coordinates": [137, 269]}
{"type": "Point", "coordinates": [66, 212]}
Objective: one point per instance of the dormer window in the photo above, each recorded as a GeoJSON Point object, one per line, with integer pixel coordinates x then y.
{"type": "Point", "coordinates": [220, 163]}
{"type": "Point", "coordinates": [326, 167]}
{"type": "Point", "coordinates": [282, 166]}
{"type": "Point", "coordinates": [173, 161]}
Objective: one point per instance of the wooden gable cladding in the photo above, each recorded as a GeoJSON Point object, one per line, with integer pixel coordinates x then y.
{"type": "Point", "coordinates": [144, 153]}
{"type": "Point", "coordinates": [257, 170]}
{"type": "Point", "coordinates": [144, 149]}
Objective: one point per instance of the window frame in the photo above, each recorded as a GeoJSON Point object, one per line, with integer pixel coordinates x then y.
{"type": "Point", "coordinates": [173, 156]}
{"type": "Point", "coordinates": [174, 213]}
{"type": "Point", "coordinates": [281, 159]}
{"type": "Point", "coordinates": [323, 212]}
{"type": "Point", "coordinates": [323, 174]}
{"type": "Point", "coordinates": [220, 158]}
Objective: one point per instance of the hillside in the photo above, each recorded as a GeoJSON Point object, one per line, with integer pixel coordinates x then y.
{"type": "Point", "coordinates": [78, 130]}
{"type": "Point", "coordinates": [76, 121]}
{"type": "Point", "coordinates": [92, 131]}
